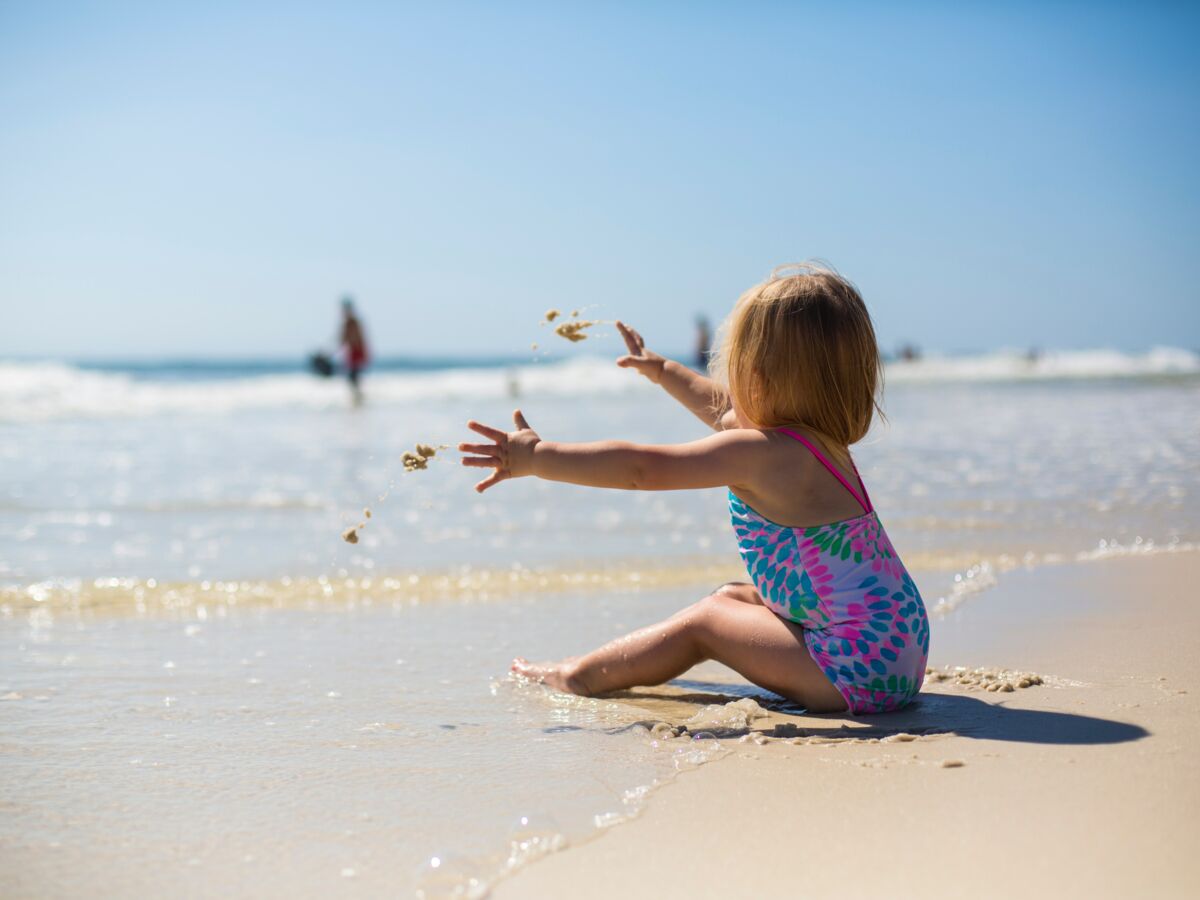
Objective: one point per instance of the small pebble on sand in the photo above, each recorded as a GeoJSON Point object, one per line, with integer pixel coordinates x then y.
{"type": "Point", "coordinates": [952, 763]}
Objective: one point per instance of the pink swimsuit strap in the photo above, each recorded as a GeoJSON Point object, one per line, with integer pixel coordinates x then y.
{"type": "Point", "coordinates": [863, 500]}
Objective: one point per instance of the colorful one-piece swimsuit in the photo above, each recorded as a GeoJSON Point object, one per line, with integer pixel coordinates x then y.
{"type": "Point", "coordinates": [863, 619]}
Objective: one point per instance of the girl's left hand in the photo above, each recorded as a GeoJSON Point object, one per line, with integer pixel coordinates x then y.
{"type": "Point", "coordinates": [644, 361]}
{"type": "Point", "coordinates": [511, 454]}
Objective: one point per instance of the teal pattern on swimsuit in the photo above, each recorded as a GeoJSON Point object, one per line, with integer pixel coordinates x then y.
{"type": "Point", "coordinates": [863, 618]}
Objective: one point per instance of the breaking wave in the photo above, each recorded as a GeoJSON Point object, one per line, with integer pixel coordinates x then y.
{"type": "Point", "coordinates": [42, 391]}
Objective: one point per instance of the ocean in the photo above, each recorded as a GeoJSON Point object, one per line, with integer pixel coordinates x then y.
{"type": "Point", "coordinates": [204, 689]}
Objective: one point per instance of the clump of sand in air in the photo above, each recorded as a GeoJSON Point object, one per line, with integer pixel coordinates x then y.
{"type": "Point", "coordinates": [413, 462]}
{"type": "Point", "coordinates": [573, 329]}
{"type": "Point", "coordinates": [350, 535]}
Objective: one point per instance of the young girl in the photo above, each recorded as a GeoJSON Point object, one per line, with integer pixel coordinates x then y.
{"type": "Point", "coordinates": [832, 620]}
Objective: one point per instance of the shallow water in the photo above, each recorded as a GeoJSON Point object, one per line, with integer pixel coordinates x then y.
{"type": "Point", "coordinates": [303, 752]}
{"type": "Point", "coordinates": [207, 691]}
{"type": "Point", "coordinates": [962, 473]}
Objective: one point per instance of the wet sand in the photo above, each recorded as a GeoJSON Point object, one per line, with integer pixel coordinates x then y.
{"type": "Point", "coordinates": [1085, 785]}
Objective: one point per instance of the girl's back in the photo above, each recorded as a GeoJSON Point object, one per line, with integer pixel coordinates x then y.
{"type": "Point", "coordinates": [842, 582]}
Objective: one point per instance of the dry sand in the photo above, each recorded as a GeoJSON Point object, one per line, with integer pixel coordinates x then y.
{"type": "Point", "coordinates": [1087, 785]}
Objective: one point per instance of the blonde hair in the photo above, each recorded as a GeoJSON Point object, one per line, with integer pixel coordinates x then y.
{"type": "Point", "coordinates": [800, 350]}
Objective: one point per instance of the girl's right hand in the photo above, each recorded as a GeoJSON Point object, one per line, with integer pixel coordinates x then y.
{"type": "Point", "coordinates": [645, 362]}
{"type": "Point", "coordinates": [510, 454]}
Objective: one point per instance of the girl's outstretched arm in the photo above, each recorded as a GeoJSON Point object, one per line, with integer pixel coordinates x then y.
{"type": "Point", "coordinates": [690, 388]}
{"type": "Point", "coordinates": [732, 458]}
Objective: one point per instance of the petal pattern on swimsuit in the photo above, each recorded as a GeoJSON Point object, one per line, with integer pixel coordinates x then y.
{"type": "Point", "coordinates": [865, 623]}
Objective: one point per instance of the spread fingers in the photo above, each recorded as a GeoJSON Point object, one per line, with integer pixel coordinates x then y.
{"type": "Point", "coordinates": [480, 449]}
{"type": "Point", "coordinates": [487, 462]}
{"type": "Point", "coordinates": [487, 431]}
{"type": "Point", "coordinates": [494, 478]}
{"type": "Point", "coordinates": [628, 335]}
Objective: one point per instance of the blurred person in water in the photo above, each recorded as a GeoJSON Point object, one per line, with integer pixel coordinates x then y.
{"type": "Point", "coordinates": [703, 342]}
{"type": "Point", "coordinates": [353, 342]}
{"type": "Point", "coordinates": [830, 618]}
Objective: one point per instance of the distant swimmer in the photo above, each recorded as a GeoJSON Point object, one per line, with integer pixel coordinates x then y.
{"type": "Point", "coordinates": [703, 342]}
{"type": "Point", "coordinates": [354, 343]}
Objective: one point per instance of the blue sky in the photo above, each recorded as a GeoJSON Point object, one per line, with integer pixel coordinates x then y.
{"type": "Point", "coordinates": [208, 178]}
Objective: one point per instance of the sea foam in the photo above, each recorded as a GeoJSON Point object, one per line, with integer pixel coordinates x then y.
{"type": "Point", "coordinates": [51, 390]}
{"type": "Point", "coordinates": [41, 391]}
{"type": "Point", "coordinates": [1011, 365]}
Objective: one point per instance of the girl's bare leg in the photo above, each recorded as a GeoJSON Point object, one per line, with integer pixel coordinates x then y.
{"type": "Point", "coordinates": [730, 626]}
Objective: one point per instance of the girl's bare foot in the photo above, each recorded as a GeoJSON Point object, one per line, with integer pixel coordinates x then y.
{"type": "Point", "coordinates": [560, 675]}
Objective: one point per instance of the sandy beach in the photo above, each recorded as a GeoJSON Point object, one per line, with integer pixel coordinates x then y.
{"type": "Point", "coordinates": [1084, 786]}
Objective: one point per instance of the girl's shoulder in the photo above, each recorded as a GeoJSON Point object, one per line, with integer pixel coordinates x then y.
{"type": "Point", "coordinates": [794, 482]}
{"type": "Point", "coordinates": [778, 443]}
{"type": "Point", "coordinates": [776, 447]}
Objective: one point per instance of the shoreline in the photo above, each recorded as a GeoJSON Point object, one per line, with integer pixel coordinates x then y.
{"type": "Point", "coordinates": [960, 575]}
{"type": "Point", "coordinates": [727, 771]}
{"type": "Point", "coordinates": [1081, 786]}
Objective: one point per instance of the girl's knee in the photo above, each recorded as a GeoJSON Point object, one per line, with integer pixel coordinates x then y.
{"type": "Point", "coordinates": [741, 591]}
{"type": "Point", "coordinates": [704, 610]}
{"type": "Point", "coordinates": [705, 617]}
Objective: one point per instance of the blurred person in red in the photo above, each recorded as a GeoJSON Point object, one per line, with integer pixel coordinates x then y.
{"type": "Point", "coordinates": [354, 343]}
